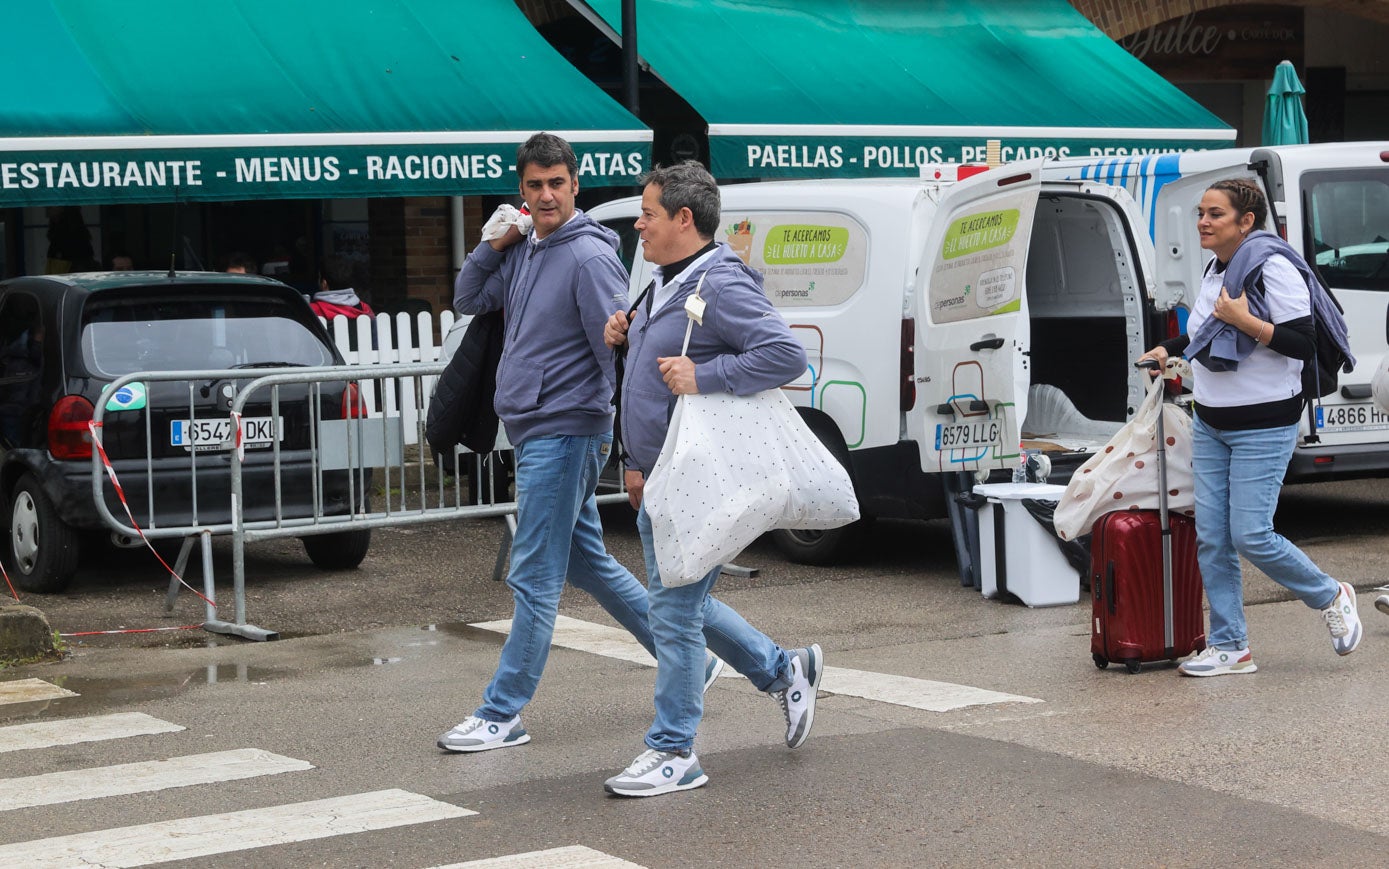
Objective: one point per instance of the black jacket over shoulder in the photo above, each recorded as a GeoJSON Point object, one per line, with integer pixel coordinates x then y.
{"type": "Point", "coordinates": [460, 410]}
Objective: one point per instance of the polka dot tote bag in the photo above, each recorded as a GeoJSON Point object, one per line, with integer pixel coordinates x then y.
{"type": "Point", "coordinates": [1124, 475]}
{"type": "Point", "coordinates": [732, 468]}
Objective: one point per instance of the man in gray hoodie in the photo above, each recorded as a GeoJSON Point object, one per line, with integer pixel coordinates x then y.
{"type": "Point", "coordinates": [742, 347]}
{"type": "Point", "coordinates": [558, 285]}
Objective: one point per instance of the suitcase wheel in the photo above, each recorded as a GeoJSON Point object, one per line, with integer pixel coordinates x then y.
{"type": "Point", "coordinates": [1132, 665]}
{"type": "Point", "coordinates": [1100, 660]}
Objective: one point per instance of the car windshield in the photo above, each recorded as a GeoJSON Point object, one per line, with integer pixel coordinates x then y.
{"type": "Point", "coordinates": [130, 333]}
{"type": "Point", "coordinates": [1348, 227]}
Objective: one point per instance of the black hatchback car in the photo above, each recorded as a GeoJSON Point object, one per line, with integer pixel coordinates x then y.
{"type": "Point", "coordinates": [65, 338]}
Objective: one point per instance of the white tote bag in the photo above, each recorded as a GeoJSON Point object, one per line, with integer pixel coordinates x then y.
{"type": "Point", "coordinates": [1123, 475]}
{"type": "Point", "coordinates": [732, 468]}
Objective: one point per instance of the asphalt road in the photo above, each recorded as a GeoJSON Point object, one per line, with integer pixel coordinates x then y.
{"type": "Point", "coordinates": [442, 573]}
{"type": "Point", "coordinates": [1081, 767]}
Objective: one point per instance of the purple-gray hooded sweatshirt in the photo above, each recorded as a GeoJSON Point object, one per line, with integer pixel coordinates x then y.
{"type": "Point", "coordinates": [556, 374]}
{"type": "Point", "coordinates": [743, 347]}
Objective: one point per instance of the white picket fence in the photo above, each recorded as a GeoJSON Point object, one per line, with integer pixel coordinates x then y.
{"type": "Point", "coordinates": [400, 339]}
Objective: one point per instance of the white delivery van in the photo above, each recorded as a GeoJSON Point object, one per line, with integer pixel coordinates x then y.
{"type": "Point", "coordinates": [1331, 201]}
{"type": "Point", "coordinates": [946, 322]}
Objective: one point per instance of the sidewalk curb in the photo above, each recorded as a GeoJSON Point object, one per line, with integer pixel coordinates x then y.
{"type": "Point", "coordinates": [24, 634]}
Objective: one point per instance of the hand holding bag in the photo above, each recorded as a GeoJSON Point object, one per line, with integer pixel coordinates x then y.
{"type": "Point", "coordinates": [732, 468]}
{"type": "Point", "coordinates": [1122, 475]}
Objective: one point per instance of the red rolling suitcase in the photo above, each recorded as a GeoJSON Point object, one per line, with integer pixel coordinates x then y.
{"type": "Point", "coordinates": [1145, 584]}
{"type": "Point", "coordinates": [1134, 620]}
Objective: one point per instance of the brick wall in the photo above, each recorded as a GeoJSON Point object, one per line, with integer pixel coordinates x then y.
{"type": "Point", "coordinates": [428, 258]}
{"type": "Point", "coordinates": [386, 247]}
{"type": "Point", "coordinates": [411, 247]}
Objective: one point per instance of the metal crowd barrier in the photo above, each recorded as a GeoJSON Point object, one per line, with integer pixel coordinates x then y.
{"type": "Point", "coordinates": [356, 474]}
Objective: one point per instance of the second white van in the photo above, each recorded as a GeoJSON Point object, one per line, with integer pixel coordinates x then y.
{"type": "Point", "coordinates": [947, 322]}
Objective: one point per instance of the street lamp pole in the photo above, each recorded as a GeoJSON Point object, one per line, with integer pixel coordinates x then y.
{"type": "Point", "coordinates": [629, 55]}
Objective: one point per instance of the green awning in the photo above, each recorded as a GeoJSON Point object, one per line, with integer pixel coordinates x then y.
{"type": "Point", "coordinates": [817, 88]}
{"type": "Point", "coordinates": [157, 100]}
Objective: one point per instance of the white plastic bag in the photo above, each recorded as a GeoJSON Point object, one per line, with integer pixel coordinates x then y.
{"type": "Point", "coordinates": [1123, 475]}
{"type": "Point", "coordinates": [732, 468]}
{"type": "Point", "coordinates": [505, 217]}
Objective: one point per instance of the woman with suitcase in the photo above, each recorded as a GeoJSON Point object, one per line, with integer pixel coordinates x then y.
{"type": "Point", "coordinates": [1247, 350]}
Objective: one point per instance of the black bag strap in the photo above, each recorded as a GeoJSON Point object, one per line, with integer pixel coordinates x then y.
{"type": "Point", "coordinates": [619, 370]}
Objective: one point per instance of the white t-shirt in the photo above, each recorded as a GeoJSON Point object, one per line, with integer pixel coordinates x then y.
{"type": "Point", "coordinates": [1266, 375]}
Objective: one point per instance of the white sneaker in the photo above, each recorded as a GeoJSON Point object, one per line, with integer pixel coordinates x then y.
{"type": "Point", "coordinates": [798, 699]}
{"type": "Point", "coordinates": [1211, 661]}
{"type": "Point", "coordinates": [1343, 620]}
{"type": "Point", "coordinates": [713, 666]}
{"type": "Point", "coordinates": [479, 734]}
{"type": "Point", "coordinates": [657, 772]}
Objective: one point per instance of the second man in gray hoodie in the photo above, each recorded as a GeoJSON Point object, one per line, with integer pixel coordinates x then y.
{"type": "Point", "coordinates": [743, 346]}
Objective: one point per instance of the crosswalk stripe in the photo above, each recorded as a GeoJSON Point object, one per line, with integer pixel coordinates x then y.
{"type": "Point", "coordinates": [70, 731]}
{"type": "Point", "coordinates": [232, 831]}
{"type": "Point", "coordinates": [882, 687]}
{"type": "Point", "coordinates": [907, 691]}
{"type": "Point", "coordinates": [30, 690]}
{"type": "Point", "coordinates": [596, 639]}
{"type": "Point", "coordinates": [585, 636]}
{"type": "Point", "coordinates": [134, 778]}
{"type": "Point", "coordinates": [570, 857]}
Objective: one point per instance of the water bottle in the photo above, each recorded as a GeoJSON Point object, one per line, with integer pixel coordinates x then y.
{"type": "Point", "coordinates": [1020, 472]}
{"type": "Point", "coordinates": [1038, 466]}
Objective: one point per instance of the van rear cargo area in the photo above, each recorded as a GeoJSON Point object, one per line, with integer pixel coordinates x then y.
{"type": "Point", "coordinates": [1084, 322]}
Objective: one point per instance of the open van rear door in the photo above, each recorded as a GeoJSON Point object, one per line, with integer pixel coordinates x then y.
{"type": "Point", "coordinates": [972, 330]}
{"type": "Point", "coordinates": [1180, 259]}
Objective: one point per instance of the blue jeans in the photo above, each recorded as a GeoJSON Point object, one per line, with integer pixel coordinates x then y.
{"type": "Point", "coordinates": [682, 621]}
{"type": "Point", "coordinates": [558, 534]}
{"type": "Point", "coordinates": [1238, 477]}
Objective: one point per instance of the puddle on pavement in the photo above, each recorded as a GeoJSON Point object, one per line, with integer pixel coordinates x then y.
{"type": "Point", "coordinates": [101, 692]}
{"type": "Point", "coordinates": [97, 693]}
{"type": "Point", "coordinates": [465, 631]}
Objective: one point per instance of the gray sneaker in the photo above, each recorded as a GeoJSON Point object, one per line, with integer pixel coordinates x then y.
{"type": "Point", "coordinates": [798, 699]}
{"type": "Point", "coordinates": [1382, 603]}
{"type": "Point", "coordinates": [479, 734]}
{"type": "Point", "coordinates": [713, 666]}
{"type": "Point", "coordinates": [657, 772]}
{"type": "Point", "coordinates": [1343, 621]}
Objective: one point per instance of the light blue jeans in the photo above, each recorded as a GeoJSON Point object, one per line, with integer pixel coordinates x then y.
{"type": "Point", "coordinates": [558, 534]}
{"type": "Point", "coordinates": [683, 620]}
{"type": "Point", "coordinates": [1238, 478]}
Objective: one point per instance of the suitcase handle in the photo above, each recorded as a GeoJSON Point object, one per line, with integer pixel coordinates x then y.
{"type": "Point", "coordinates": [1109, 586]}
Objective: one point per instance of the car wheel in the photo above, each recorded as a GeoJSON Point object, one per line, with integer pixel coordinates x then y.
{"type": "Point", "coordinates": [819, 548]}
{"type": "Point", "coordinates": [342, 550]}
{"type": "Point", "coordinates": [43, 550]}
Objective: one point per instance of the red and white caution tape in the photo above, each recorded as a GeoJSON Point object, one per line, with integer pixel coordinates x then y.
{"type": "Point", "coordinates": [120, 493]}
{"type": "Point", "coordinates": [131, 631]}
{"type": "Point", "coordinates": [7, 581]}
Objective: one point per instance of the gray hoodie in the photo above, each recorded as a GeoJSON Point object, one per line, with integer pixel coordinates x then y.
{"type": "Point", "coordinates": [556, 375]}
{"type": "Point", "coordinates": [744, 346]}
